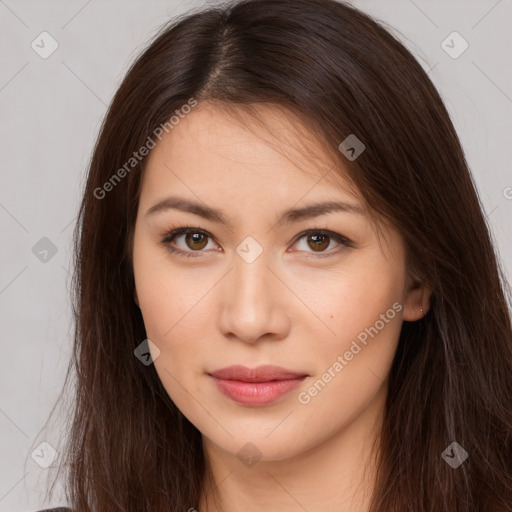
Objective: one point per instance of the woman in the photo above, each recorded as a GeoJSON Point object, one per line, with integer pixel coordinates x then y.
{"type": "Point", "coordinates": [286, 292]}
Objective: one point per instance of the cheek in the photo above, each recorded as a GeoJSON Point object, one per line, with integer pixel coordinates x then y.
{"type": "Point", "coordinates": [173, 305]}
{"type": "Point", "coordinates": [167, 294]}
{"type": "Point", "coordinates": [363, 313]}
{"type": "Point", "coordinates": [170, 318]}
{"type": "Point", "coordinates": [349, 300]}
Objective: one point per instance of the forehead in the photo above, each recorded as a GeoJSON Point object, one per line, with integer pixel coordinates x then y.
{"type": "Point", "coordinates": [267, 148]}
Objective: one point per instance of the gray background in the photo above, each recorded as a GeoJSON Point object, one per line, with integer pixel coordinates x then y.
{"type": "Point", "coordinates": [51, 110]}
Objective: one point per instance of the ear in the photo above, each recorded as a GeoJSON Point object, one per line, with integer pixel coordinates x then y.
{"type": "Point", "coordinates": [417, 297]}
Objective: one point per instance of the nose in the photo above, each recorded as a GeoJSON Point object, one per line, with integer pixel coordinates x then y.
{"type": "Point", "coordinates": [254, 302]}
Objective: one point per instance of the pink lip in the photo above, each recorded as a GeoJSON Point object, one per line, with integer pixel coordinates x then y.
{"type": "Point", "coordinates": [258, 386]}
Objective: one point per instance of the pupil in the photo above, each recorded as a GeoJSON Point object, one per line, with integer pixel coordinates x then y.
{"type": "Point", "coordinates": [196, 239]}
{"type": "Point", "coordinates": [319, 245]}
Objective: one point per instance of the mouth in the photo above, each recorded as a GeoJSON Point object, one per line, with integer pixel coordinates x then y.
{"type": "Point", "coordinates": [258, 386]}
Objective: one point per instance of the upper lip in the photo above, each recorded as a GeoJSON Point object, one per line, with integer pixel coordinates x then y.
{"type": "Point", "coordinates": [259, 374]}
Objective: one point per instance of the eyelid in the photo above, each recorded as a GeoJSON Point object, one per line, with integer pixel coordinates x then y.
{"type": "Point", "coordinates": [342, 241]}
{"type": "Point", "coordinates": [184, 229]}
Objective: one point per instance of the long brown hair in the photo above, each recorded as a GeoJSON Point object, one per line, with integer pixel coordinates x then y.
{"type": "Point", "coordinates": [129, 447]}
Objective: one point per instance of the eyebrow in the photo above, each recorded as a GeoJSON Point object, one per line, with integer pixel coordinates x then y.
{"type": "Point", "coordinates": [288, 216]}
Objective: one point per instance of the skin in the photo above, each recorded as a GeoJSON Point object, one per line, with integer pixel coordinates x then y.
{"type": "Point", "coordinates": [290, 307]}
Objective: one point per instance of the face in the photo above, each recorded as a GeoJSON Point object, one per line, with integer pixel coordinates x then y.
{"type": "Point", "coordinates": [315, 294]}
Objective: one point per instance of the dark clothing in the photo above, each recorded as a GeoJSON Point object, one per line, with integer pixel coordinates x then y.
{"type": "Point", "coordinates": [59, 509]}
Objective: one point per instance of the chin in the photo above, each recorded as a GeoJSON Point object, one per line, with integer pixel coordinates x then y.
{"type": "Point", "coordinates": [260, 447]}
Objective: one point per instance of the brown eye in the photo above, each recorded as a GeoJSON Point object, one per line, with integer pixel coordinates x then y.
{"type": "Point", "coordinates": [187, 241]}
{"type": "Point", "coordinates": [318, 242]}
{"type": "Point", "coordinates": [322, 242]}
{"type": "Point", "coordinates": [196, 241]}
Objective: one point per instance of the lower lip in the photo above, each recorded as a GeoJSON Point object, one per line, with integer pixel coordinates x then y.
{"type": "Point", "coordinates": [256, 393]}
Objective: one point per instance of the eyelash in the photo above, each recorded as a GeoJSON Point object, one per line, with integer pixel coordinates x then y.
{"type": "Point", "coordinates": [166, 241]}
